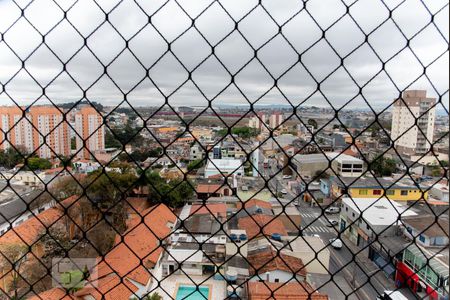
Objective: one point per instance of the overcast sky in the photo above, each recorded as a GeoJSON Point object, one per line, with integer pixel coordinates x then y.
{"type": "Point", "coordinates": [297, 75]}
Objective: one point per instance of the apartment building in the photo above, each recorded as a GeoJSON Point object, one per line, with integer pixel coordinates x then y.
{"type": "Point", "coordinates": [275, 120]}
{"type": "Point", "coordinates": [39, 129]}
{"type": "Point", "coordinates": [409, 137]}
{"type": "Point", "coordinates": [258, 121]}
{"type": "Point", "coordinates": [90, 132]}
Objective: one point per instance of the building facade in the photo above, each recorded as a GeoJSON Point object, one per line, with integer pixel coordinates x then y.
{"type": "Point", "coordinates": [275, 120]}
{"type": "Point", "coordinates": [41, 130]}
{"type": "Point", "coordinates": [408, 137]}
{"type": "Point", "coordinates": [90, 132]}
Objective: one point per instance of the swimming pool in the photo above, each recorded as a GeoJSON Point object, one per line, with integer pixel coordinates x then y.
{"type": "Point", "coordinates": [189, 292]}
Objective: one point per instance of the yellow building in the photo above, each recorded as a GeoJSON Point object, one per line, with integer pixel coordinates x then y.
{"type": "Point", "coordinates": [202, 133]}
{"type": "Point", "coordinates": [376, 188]}
{"type": "Point", "coordinates": [167, 129]}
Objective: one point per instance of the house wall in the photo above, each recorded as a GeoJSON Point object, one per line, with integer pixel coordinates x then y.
{"type": "Point", "coordinates": [424, 239]}
{"type": "Point", "coordinates": [411, 194]}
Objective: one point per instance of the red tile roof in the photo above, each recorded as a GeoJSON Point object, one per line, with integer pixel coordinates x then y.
{"type": "Point", "coordinates": [31, 230]}
{"type": "Point", "coordinates": [257, 202]}
{"type": "Point", "coordinates": [137, 249]}
{"type": "Point", "coordinates": [268, 260]}
{"type": "Point", "coordinates": [208, 188]}
{"type": "Point", "coordinates": [261, 224]}
{"type": "Point", "coordinates": [205, 209]}
{"type": "Point", "coordinates": [282, 291]}
{"type": "Point", "coordinates": [54, 294]}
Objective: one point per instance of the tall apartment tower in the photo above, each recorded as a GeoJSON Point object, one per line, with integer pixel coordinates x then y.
{"type": "Point", "coordinates": [258, 121]}
{"type": "Point", "coordinates": [275, 120]}
{"type": "Point", "coordinates": [413, 105]}
{"type": "Point", "coordinates": [89, 128]}
{"type": "Point", "coordinates": [39, 129]}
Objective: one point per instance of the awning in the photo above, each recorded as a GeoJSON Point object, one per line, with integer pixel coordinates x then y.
{"type": "Point", "coordinates": [387, 268]}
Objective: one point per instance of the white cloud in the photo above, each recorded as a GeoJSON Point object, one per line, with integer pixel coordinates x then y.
{"type": "Point", "coordinates": [301, 35]}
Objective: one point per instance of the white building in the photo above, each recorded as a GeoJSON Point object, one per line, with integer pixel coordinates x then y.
{"type": "Point", "coordinates": [224, 167]}
{"type": "Point", "coordinates": [346, 165]}
{"type": "Point", "coordinates": [342, 164]}
{"type": "Point", "coordinates": [413, 105]}
{"type": "Point", "coordinates": [439, 192]}
{"type": "Point", "coordinates": [363, 218]}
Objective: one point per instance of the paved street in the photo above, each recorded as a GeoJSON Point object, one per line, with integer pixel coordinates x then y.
{"type": "Point", "coordinates": [347, 280]}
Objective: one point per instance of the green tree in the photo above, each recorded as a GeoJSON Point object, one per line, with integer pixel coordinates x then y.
{"type": "Point", "coordinates": [196, 164]}
{"type": "Point", "coordinates": [10, 157]}
{"type": "Point", "coordinates": [37, 163]}
{"type": "Point", "coordinates": [382, 166]}
{"type": "Point", "coordinates": [313, 123]}
{"type": "Point", "coordinates": [174, 193]}
{"type": "Point", "coordinates": [154, 296]}
{"type": "Point", "coordinates": [110, 140]}
{"type": "Point", "coordinates": [109, 190]}
{"type": "Point", "coordinates": [243, 132]}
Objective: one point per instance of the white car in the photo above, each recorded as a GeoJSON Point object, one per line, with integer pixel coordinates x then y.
{"type": "Point", "coordinates": [287, 176]}
{"type": "Point", "coordinates": [283, 191]}
{"type": "Point", "coordinates": [336, 243]}
{"type": "Point", "coordinates": [332, 210]}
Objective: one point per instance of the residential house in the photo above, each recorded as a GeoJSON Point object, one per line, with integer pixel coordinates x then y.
{"type": "Point", "coordinates": [224, 167]}
{"type": "Point", "coordinates": [196, 152]}
{"type": "Point", "coordinates": [206, 190]}
{"type": "Point", "coordinates": [268, 265]}
{"type": "Point", "coordinates": [369, 187]}
{"type": "Point", "coordinates": [129, 264]}
{"type": "Point", "coordinates": [427, 230]}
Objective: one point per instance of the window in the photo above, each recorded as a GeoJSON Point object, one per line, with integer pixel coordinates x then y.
{"type": "Point", "coordinates": [363, 192]}
{"type": "Point", "coordinates": [390, 192]}
{"type": "Point", "coordinates": [404, 193]}
{"type": "Point", "coordinates": [377, 192]}
{"type": "Point", "coordinates": [422, 238]}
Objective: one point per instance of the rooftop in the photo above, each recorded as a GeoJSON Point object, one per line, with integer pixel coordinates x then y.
{"type": "Point", "coordinates": [428, 225]}
{"type": "Point", "coordinates": [224, 164]}
{"type": "Point", "coordinates": [378, 211]}
{"type": "Point", "coordinates": [261, 224]}
{"type": "Point", "coordinates": [282, 291]}
{"type": "Point", "coordinates": [267, 260]}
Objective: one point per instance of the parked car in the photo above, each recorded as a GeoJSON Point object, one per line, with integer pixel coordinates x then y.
{"type": "Point", "coordinates": [336, 243]}
{"type": "Point", "coordinates": [287, 176]}
{"type": "Point", "coordinates": [283, 191]}
{"type": "Point", "coordinates": [332, 210]}
{"type": "Point", "coordinates": [332, 223]}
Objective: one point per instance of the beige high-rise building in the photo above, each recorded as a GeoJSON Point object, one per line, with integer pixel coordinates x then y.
{"type": "Point", "coordinates": [89, 128]}
{"type": "Point", "coordinates": [408, 137]}
{"type": "Point", "coordinates": [257, 121]}
{"type": "Point", "coordinates": [275, 120]}
{"type": "Point", "coordinates": [40, 130]}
